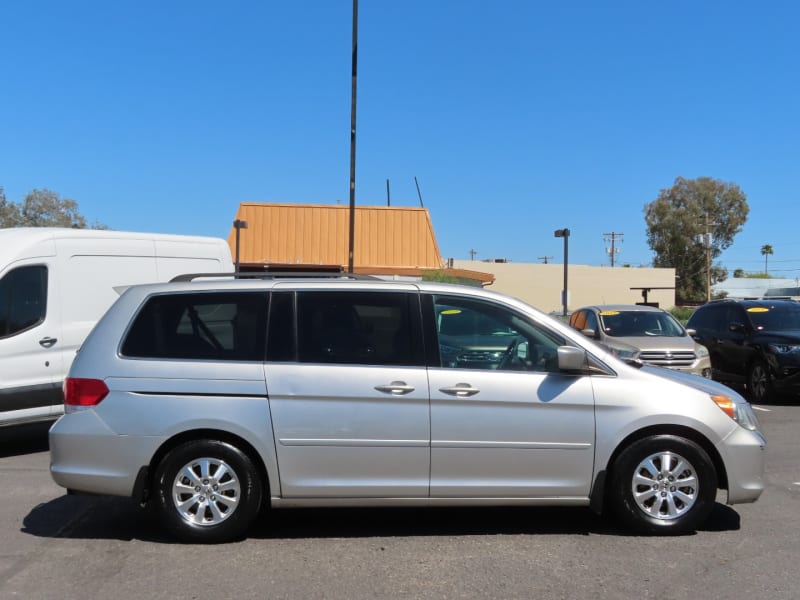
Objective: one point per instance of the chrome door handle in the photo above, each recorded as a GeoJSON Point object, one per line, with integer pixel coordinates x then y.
{"type": "Point", "coordinates": [462, 390]}
{"type": "Point", "coordinates": [47, 341]}
{"type": "Point", "coordinates": [396, 388]}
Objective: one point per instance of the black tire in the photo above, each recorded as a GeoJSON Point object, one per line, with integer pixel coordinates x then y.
{"type": "Point", "coordinates": [663, 485]}
{"type": "Point", "coordinates": [207, 491]}
{"type": "Point", "coordinates": [759, 382]}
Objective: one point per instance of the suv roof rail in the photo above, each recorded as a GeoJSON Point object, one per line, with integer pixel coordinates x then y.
{"type": "Point", "coordinates": [276, 275]}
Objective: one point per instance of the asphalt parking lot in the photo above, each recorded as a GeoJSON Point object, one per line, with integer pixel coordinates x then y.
{"type": "Point", "coordinates": [57, 546]}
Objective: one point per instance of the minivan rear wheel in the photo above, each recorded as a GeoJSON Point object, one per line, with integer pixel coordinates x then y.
{"type": "Point", "coordinates": [663, 485]}
{"type": "Point", "coordinates": [207, 491]}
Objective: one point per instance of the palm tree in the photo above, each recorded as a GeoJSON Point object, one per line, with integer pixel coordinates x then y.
{"type": "Point", "coordinates": [766, 251]}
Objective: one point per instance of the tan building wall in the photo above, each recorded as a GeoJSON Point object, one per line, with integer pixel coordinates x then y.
{"type": "Point", "coordinates": [540, 285]}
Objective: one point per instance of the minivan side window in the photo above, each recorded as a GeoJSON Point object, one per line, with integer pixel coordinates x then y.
{"type": "Point", "coordinates": [23, 299]}
{"type": "Point", "coordinates": [475, 334]}
{"type": "Point", "coordinates": [210, 326]}
{"type": "Point", "coordinates": [359, 328]}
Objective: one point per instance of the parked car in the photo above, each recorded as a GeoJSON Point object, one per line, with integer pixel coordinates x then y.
{"type": "Point", "coordinates": [650, 334]}
{"type": "Point", "coordinates": [55, 283]}
{"type": "Point", "coordinates": [212, 398]}
{"type": "Point", "coordinates": [755, 342]}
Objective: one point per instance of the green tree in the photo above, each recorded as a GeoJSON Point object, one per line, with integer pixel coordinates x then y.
{"type": "Point", "coordinates": [9, 213]}
{"type": "Point", "coordinates": [42, 208]}
{"type": "Point", "coordinates": [677, 222]}
{"type": "Point", "coordinates": [738, 273]}
{"type": "Point", "coordinates": [766, 252]}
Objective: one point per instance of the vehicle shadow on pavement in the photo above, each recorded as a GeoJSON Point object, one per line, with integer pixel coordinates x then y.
{"type": "Point", "coordinates": [87, 517]}
{"type": "Point", "coordinates": [16, 440]}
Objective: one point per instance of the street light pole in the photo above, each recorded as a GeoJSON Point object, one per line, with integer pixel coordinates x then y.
{"type": "Point", "coordinates": [238, 225]}
{"type": "Point", "coordinates": [564, 233]}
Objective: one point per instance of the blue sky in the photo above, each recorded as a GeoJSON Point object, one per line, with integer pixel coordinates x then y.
{"type": "Point", "coordinates": [516, 117]}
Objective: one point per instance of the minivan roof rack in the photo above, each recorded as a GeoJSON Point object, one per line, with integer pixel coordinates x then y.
{"type": "Point", "coordinates": [276, 275]}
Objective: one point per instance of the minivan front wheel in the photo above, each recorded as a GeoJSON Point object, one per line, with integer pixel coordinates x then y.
{"type": "Point", "coordinates": [207, 491]}
{"type": "Point", "coordinates": [663, 485]}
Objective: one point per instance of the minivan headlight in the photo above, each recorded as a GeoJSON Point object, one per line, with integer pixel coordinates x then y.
{"type": "Point", "coordinates": [741, 412]}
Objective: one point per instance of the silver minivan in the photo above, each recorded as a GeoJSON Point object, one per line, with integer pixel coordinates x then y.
{"type": "Point", "coordinates": [213, 399]}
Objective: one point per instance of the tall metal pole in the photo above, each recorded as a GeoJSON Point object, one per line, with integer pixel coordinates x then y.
{"type": "Point", "coordinates": [353, 139]}
{"type": "Point", "coordinates": [566, 268]}
{"type": "Point", "coordinates": [564, 233]}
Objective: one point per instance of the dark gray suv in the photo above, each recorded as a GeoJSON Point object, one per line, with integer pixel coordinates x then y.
{"type": "Point", "coordinates": [755, 342]}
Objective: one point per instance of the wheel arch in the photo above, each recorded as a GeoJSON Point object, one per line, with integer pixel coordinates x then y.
{"type": "Point", "coordinates": [145, 481]}
{"type": "Point", "coordinates": [600, 488]}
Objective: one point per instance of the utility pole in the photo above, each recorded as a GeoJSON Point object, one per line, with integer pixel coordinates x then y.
{"type": "Point", "coordinates": [612, 237]}
{"type": "Point", "coordinates": [472, 254]}
{"type": "Point", "coordinates": [707, 240]}
{"type": "Point", "coordinates": [544, 259]}
{"type": "Point", "coordinates": [354, 79]}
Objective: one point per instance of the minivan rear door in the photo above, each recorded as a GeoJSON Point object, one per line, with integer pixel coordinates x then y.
{"type": "Point", "coordinates": [348, 393]}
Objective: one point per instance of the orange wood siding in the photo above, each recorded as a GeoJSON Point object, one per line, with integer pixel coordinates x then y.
{"type": "Point", "coordinates": [319, 235]}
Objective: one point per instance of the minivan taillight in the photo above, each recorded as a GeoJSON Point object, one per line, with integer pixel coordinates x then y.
{"type": "Point", "coordinates": [84, 392]}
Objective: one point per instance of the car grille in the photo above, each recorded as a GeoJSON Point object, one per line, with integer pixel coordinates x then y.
{"type": "Point", "coordinates": [668, 359]}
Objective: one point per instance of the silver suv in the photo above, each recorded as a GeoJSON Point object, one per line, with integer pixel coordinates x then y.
{"type": "Point", "coordinates": [645, 332]}
{"type": "Point", "coordinates": [213, 399]}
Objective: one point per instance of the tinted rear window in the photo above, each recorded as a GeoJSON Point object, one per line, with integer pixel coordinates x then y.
{"type": "Point", "coordinates": [212, 326]}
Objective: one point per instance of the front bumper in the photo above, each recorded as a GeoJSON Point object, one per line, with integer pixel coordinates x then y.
{"type": "Point", "coordinates": [744, 454]}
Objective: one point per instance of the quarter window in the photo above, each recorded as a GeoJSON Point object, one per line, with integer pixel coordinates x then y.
{"type": "Point", "coordinates": [213, 326]}
{"type": "Point", "coordinates": [23, 299]}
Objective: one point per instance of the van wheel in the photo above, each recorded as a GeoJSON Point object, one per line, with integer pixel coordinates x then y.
{"type": "Point", "coordinates": [664, 485]}
{"type": "Point", "coordinates": [207, 491]}
{"type": "Point", "coordinates": [759, 382]}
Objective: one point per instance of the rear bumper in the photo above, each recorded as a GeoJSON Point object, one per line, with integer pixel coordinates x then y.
{"type": "Point", "coordinates": [86, 456]}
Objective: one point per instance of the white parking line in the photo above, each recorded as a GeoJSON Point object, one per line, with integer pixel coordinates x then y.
{"type": "Point", "coordinates": [761, 408]}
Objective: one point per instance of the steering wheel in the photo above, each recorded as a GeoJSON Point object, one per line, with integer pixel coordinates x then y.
{"type": "Point", "coordinates": [508, 356]}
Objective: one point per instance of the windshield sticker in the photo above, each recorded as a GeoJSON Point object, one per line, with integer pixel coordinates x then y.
{"type": "Point", "coordinates": [758, 309]}
{"type": "Point", "coordinates": [451, 311]}
{"type": "Point", "coordinates": [609, 313]}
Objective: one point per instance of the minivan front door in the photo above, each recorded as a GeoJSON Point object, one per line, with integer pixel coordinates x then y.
{"type": "Point", "coordinates": [504, 422]}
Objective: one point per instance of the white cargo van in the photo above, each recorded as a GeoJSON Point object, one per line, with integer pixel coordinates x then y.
{"type": "Point", "coordinates": [56, 283]}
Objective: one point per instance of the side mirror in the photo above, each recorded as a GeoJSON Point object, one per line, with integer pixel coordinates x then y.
{"type": "Point", "coordinates": [691, 332]}
{"type": "Point", "coordinates": [737, 328]}
{"type": "Point", "coordinates": [571, 358]}
{"type": "Point", "coordinates": [589, 333]}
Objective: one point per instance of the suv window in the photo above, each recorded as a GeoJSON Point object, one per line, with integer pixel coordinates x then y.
{"type": "Point", "coordinates": [359, 328]}
{"type": "Point", "coordinates": [211, 326]}
{"type": "Point", "coordinates": [475, 334]}
{"type": "Point", "coordinates": [23, 299]}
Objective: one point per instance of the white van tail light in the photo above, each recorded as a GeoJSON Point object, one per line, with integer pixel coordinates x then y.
{"type": "Point", "coordinates": [84, 392]}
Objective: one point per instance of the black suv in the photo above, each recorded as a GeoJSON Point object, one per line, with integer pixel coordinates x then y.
{"type": "Point", "coordinates": [755, 342]}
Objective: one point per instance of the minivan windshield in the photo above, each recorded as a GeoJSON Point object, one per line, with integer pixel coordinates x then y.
{"type": "Point", "coordinates": [637, 323]}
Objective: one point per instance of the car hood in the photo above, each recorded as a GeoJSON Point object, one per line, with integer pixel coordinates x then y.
{"type": "Point", "coordinates": [657, 342]}
{"type": "Point", "coordinates": [791, 336]}
{"type": "Point", "coordinates": [703, 384]}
